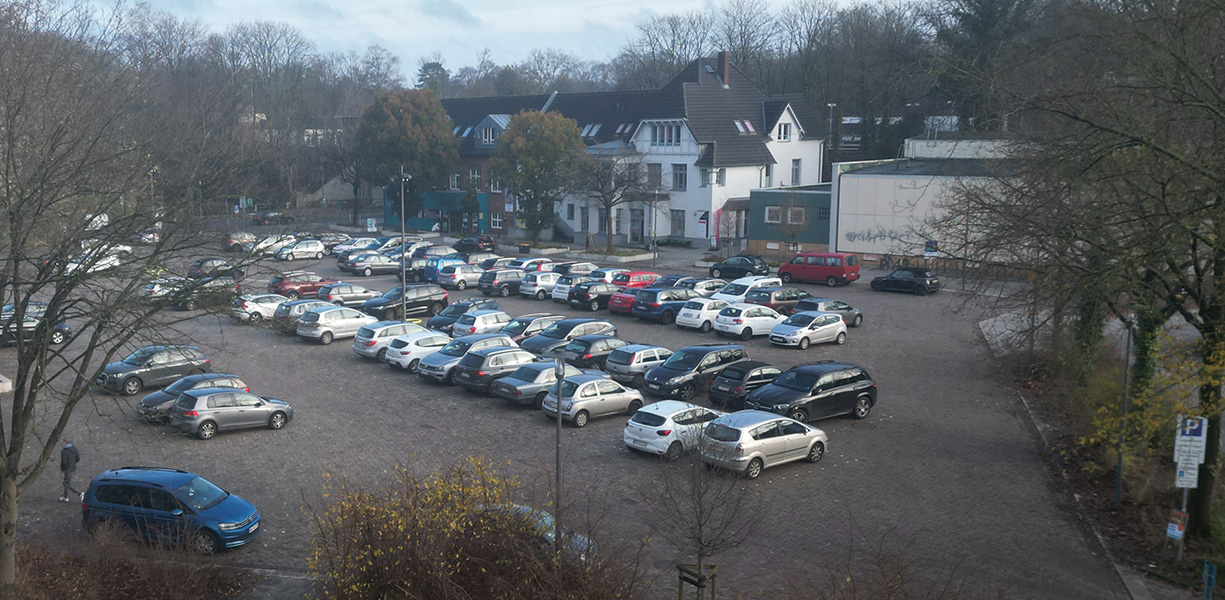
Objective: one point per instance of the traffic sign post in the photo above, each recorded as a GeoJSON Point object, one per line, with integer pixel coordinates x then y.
{"type": "Point", "coordinates": [1190, 445]}
{"type": "Point", "coordinates": [1209, 579]}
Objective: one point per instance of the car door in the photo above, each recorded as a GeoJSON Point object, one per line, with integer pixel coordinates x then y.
{"type": "Point", "coordinates": [165, 516]}
{"type": "Point", "coordinates": [795, 436]}
{"type": "Point", "coordinates": [223, 410]}
{"type": "Point", "coordinates": [770, 443]}
{"type": "Point", "coordinates": [165, 367]}
{"type": "Point", "coordinates": [250, 409]}
{"type": "Point", "coordinates": [898, 280]}
{"type": "Point", "coordinates": [613, 397]}
{"type": "Point", "coordinates": [823, 329]}
{"type": "Point", "coordinates": [846, 390]}
{"type": "Point", "coordinates": [822, 401]}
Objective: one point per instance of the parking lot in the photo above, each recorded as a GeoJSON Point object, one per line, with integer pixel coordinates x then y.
{"type": "Point", "coordinates": [944, 468]}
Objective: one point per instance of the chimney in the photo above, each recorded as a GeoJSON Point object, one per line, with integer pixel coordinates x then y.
{"type": "Point", "coordinates": [724, 67]}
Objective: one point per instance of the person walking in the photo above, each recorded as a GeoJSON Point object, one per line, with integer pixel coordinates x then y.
{"type": "Point", "coordinates": [69, 457]}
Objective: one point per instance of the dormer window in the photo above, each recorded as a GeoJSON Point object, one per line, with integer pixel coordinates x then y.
{"type": "Point", "coordinates": [784, 132]}
{"type": "Point", "coordinates": [586, 130]}
{"type": "Point", "coordinates": [488, 135]}
{"type": "Point", "coordinates": [665, 134]}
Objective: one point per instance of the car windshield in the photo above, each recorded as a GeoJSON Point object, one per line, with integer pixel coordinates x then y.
{"type": "Point", "coordinates": [455, 348]}
{"type": "Point", "coordinates": [734, 289]}
{"type": "Point", "coordinates": [644, 296]}
{"type": "Point", "coordinates": [179, 386]}
{"type": "Point", "coordinates": [732, 373]}
{"type": "Point", "coordinates": [621, 357]}
{"type": "Point", "coordinates": [200, 494]}
{"type": "Point", "coordinates": [730, 311]}
{"type": "Point", "coordinates": [799, 320]}
{"type": "Point", "coordinates": [684, 360]}
{"type": "Point", "coordinates": [525, 373]}
{"type": "Point", "coordinates": [797, 380]}
{"type": "Point", "coordinates": [722, 433]}
{"type": "Point", "coordinates": [643, 417]}
{"type": "Point", "coordinates": [567, 388]}
{"type": "Point", "coordinates": [556, 331]}
{"type": "Point", "coordinates": [467, 320]}
{"type": "Point", "coordinates": [621, 278]}
{"type": "Point", "coordinates": [454, 310]}
{"type": "Point", "coordinates": [309, 317]}
{"type": "Point", "coordinates": [576, 347]}
{"type": "Point", "coordinates": [139, 357]}
{"type": "Point", "coordinates": [695, 305]}
{"type": "Point", "coordinates": [758, 297]}
{"type": "Point", "coordinates": [517, 326]}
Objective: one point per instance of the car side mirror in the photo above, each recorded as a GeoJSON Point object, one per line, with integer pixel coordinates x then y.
{"type": "Point", "coordinates": [176, 512]}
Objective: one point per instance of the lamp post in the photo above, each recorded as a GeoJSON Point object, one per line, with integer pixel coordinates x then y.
{"type": "Point", "coordinates": [829, 139]}
{"type": "Point", "coordinates": [404, 178]}
{"type": "Point", "coordinates": [560, 370]}
{"type": "Point", "coordinates": [1118, 468]}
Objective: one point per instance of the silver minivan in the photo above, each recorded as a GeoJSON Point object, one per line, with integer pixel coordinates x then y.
{"type": "Point", "coordinates": [372, 340]}
{"type": "Point", "coordinates": [326, 324]}
{"type": "Point", "coordinates": [749, 441]}
{"type": "Point", "coordinates": [588, 396]}
{"type": "Point", "coordinates": [628, 364]}
{"type": "Point", "coordinates": [479, 321]}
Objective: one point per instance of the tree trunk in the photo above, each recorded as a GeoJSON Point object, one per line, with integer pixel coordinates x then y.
{"type": "Point", "coordinates": [608, 229]}
{"type": "Point", "coordinates": [1199, 505]}
{"type": "Point", "coordinates": [1146, 346]}
{"type": "Point", "coordinates": [8, 536]}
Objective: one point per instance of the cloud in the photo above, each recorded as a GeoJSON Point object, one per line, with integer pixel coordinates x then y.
{"type": "Point", "coordinates": [449, 10]}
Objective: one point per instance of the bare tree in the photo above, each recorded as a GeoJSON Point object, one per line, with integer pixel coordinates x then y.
{"type": "Point", "coordinates": [611, 175]}
{"type": "Point", "coordinates": [663, 46]}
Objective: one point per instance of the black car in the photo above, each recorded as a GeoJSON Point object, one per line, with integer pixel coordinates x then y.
{"type": "Point", "coordinates": [156, 406]}
{"type": "Point", "coordinates": [591, 351]}
{"type": "Point", "coordinates": [478, 368]}
{"type": "Point", "coordinates": [737, 381]}
{"type": "Point", "coordinates": [817, 391]}
{"type": "Point", "coordinates": [667, 281]}
{"type": "Point", "coordinates": [423, 299]}
{"type": "Point", "coordinates": [442, 321]}
{"type": "Point", "coordinates": [31, 318]}
{"type": "Point", "coordinates": [690, 370]}
{"type": "Point", "coordinates": [272, 217]}
{"type": "Point", "coordinates": [152, 366]}
{"type": "Point", "coordinates": [502, 282]}
{"type": "Point", "coordinates": [740, 266]}
{"type": "Point", "coordinates": [592, 295]}
{"type": "Point", "coordinates": [480, 243]}
{"type": "Point", "coordinates": [557, 335]}
{"type": "Point", "coordinates": [525, 326]}
{"type": "Point", "coordinates": [413, 270]}
{"type": "Point", "coordinates": [919, 281]}
{"type": "Point", "coordinates": [212, 266]}
{"type": "Point", "coordinates": [210, 292]}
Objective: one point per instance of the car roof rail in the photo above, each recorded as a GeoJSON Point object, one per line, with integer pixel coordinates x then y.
{"type": "Point", "coordinates": [143, 468]}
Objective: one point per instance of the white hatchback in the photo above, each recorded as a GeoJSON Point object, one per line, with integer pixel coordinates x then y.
{"type": "Point", "coordinates": [256, 307]}
{"type": "Point", "coordinates": [699, 314]}
{"type": "Point", "coordinates": [746, 320]}
{"type": "Point", "coordinates": [738, 289]}
{"type": "Point", "coordinates": [561, 289]}
{"type": "Point", "coordinates": [406, 351]}
{"type": "Point", "coordinates": [373, 340]}
{"type": "Point", "coordinates": [668, 428]}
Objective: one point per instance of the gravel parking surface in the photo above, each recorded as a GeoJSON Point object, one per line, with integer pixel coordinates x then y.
{"type": "Point", "coordinates": [943, 468]}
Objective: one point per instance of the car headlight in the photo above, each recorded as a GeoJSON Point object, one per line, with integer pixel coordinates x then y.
{"type": "Point", "coordinates": [781, 406]}
{"type": "Point", "coordinates": [228, 526]}
{"type": "Point", "coordinates": [676, 380]}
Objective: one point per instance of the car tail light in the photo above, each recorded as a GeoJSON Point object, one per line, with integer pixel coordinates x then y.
{"type": "Point", "coordinates": [738, 389]}
{"type": "Point", "coordinates": [246, 389]}
{"type": "Point", "coordinates": [480, 373]}
{"type": "Point", "coordinates": [569, 405]}
{"type": "Point", "coordinates": [517, 392]}
{"type": "Point", "coordinates": [370, 343]}
{"type": "Point", "coordinates": [191, 413]}
{"type": "Point", "coordinates": [586, 356]}
{"type": "Point", "coordinates": [739, 449]}
{"type": "Point", "coordinates": [472, 329]}
{"type": "Point", "coordinates": [208, 360]}
{"type": "Point", "coordinates": [244, 305]}
{"type": "Point", "coordinates": [664, 432]}
{"type": "Point", "coordinates": [653, 305]}
{"type": "Point", "coordinates": [737, 320]}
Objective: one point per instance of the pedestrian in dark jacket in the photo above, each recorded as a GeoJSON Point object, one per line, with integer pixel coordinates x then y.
{"type": "Point", "coordinates": [69, 457]}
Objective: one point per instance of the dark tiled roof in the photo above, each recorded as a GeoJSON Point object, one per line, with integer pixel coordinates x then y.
{"type": "Point", "coordinates": [609, 109]}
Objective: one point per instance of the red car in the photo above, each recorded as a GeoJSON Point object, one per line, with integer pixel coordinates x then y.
{"type": "Point", "coordinates": [635, 279]}
{"type": "Point", "coordinates": [622, 302]}
{"type": "Point", "coordinates": [298, 284]}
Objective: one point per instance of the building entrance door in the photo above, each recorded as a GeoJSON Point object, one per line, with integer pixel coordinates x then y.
{"type": "Point", "coordinates": [637, 221]}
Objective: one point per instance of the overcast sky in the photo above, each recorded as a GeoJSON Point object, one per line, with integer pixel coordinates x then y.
{"type": "Point", "coordinates": [411, 29]}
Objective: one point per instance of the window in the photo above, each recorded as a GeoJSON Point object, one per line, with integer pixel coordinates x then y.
{"type": "Point", "coordinates": [721, 177]}
{"type": "Point", "coordinates": [680, 177]}
{"type": "Point", "coordinates": [774, 214]}
{"type": "Point", "coordinates": [796, 215]}
{"type": "Point", "coordinates": [703, 177]}
{"type": "Point", "coordinates": [454, 183]}
{"type": "Point", "coordinates": [768, 178]}
{"type": "Point", "coordinates": [474, 176]}
{"type": "Point", "coordinates": [795, 171]}
{"type": "Point", "coordinates": [655, 174]}
{"type": "Point", "coordinates": [822, 213]}
{"type": "Point", "coordinates": [570, 212]}
{"type": "Point", "coordinates": [784, 132]}
{"type": "Point", "coordinates": [495, 220]}
{"type": "Point", "coordinates": [489, 135]}
{"type": "Point", "coordinates": [678, 223]}
{"type": "Point", "coordinates": [603, 217]}
{"type": "Point", "coordinates": [739, 126]}
{"type": "Point", "coordinates": [665, 134]}
{"type": "Point", "coordinates": [749, 125]}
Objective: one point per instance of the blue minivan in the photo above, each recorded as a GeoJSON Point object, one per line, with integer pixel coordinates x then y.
{"type": "Point", "coordinates": [661, 304]}
{"type": "Point", "coordinates": [169, 505]}
{"type": "Point", "coordinates": [434, 264]}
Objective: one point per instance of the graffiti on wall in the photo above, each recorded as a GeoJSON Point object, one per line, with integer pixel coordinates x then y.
{"type": "Point", "coordinates": [879, 234]}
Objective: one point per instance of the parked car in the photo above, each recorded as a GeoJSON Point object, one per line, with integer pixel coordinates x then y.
{"type": "Point", "coordinates": [605, 275]}
{"type": "Point", "coordinates": [272, 217]}
{"type": "Point", "coordinates": [622, 302]}
{"type": "Point", "coordinates": [413, 270]}
{"type": "Point", "coordinates": [406, 351]}
{"type": "Point", "coordinates": [635, 279]}
{"type": "Point", "coordinates": [538, 285]}
{"type": "Point", "coordinates": [817, 391]}
{"type": "Point", "coordinates": [480, 321]}
{"type": "Point", "coordinates": [473, 258]}
{"type": "Point", "coordinates": [449, 315]}
{"type": "Point", "coordinates": [704, 286]}
{"type": "Point", "coordinates": [805, 328]}
{"type": "Point", "coordinates": [352, 244]}
{"type": "Point", "coordinates": [737, 381]}
{"type": "Point", "coordinates": [739, 289]}
{"type": "Point", "coordinates": [667, 281]}
{"type": "Point", "coordinates": [156, 406]}
{"type": "Point", "coordinates": [345, 259]}
{"type": "Point", "coordinates": [740, 266]}
{"type": "Point", "coordinates": [919, 281]}
{"type": "Point", "coordinates": [433, 251]}
{"type": "Point", "coordinates": [525, 326]}
{"type": "Point", "coordinates": [699, 314]}
{"type": "Point", "coordinates": [563, 285]}
{"type": "Point", "coordinates": [162, 288]}
{"type": "Point", "coordinates": [574, 268]}
{"type": "Point", "coordinates": [661, 305]}
{"type": "Point", "coordinates": [371, 264]}
{"type": "Point", "coordinates": [387, 243]}
{"type": "Point", "coordinates": [629, 363]}
{"type": "Point", "coordinates": [160, 505]}
{"type": "Point", "coordinates": [535, 531]}
{"type": "Point", "coordinates": [529, 263]}
{"type": "Point", "coordinates": [530, 383]}
{"type": "Point", "coordinates": [459, 276]}
{"type": "Point", "coordinates": [152, 366]}
{"type": "Point", "coordinates": [235, 242]}
{"type": "Point", "coordinates": [586, 396]}
{"type": "Point", "coordinates": [330, 240]}
{"type": "Point", "coordinates": [689, 371]}
{"type": "Point", "coordinates": [591, 351]}
{"type": "Point", "coordinates": [206, 411]}
{"type": "Point", "coordinates": [373, 340]}
{"type": "Point", "coordinates": [557, 335]}
{"type": "Point", "coordinates": [501, 262]}
{"type": "Point", "coordinates": [667, 428]}
{"type": "Point", "coordinates": [302, 249]}
{"type": "Point", "coordinates": [212, 266]}
{"type": "Point", "coordinates": [750, 441]}
{"type": "Point", "coordinates": [746, 320]}
{"type": "Point", "coordinates": [346, 294]}
{"type": "Point", "coordinates": [298, 284]}
{"type": "Point", "coordinates": [33, 315]}
{"type": "Point", "coordinates": [500, 282]}
{"type": "Point", "coordinates": [269, 244]}
{"type": "Point", "coordinates": [285, 319]}
{"type": "Point", "coordinates": [210, 292]}
{"type": "Point", "coordinates": [592, 295]}
{"type": "Point", "coordinates": [481, 243]}
{"type": "Point", "coordinates": [256, 307]}
{"type": "Point", "coordinates": [850, 315]}
{"type": "Point", "coordinates": [422, 299]}
{"type": "Point", "coordinates": [782, 299]}
{"type": "Point", "coordinates": [432, 266]}
{"type": "Point", "coordinates": [831, 267]}
{"type": "Point", "coordinates": [326, 324]}
{"type": "Point", "coordinates": [479, 368]}
{"type": "Point", "coordinates": [440, 366]}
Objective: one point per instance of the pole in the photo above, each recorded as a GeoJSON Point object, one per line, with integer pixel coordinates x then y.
{"type": "Point", "coordinates": [1178, 557]}
{"type": "Point", "coordinates": [403, 262]}
{"type": "Point", "coordinates": [1118, 468]}
{"type": "Point", "coordinates": [560, 366]}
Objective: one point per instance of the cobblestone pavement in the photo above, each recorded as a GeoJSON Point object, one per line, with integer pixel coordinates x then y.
{"type": "Point", "coordinates": [944, 469]}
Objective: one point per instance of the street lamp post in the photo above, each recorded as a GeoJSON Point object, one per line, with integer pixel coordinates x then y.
{"type": "Point", "coordinates": [403, 262]}
{"type": "Point", "coordinates": [1118, 468]}
{"type": "Point", "coordinates": [560, 367]}
{"type": "Point", "coordinates": [829, 139]}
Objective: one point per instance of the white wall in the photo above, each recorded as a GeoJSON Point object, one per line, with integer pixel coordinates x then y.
{"type": "Point", "coordinates": [924, 148]}
{"type": "Point", "coordinates": [882, 213]}
{"type": "Point", "coordinates": [809, 151]}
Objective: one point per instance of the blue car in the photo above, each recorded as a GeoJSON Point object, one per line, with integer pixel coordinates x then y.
{"type": "Point", "coordinates": [169, 505]}
{"type": "Point", "coordinates": [433, 265]}
{"type": "Point", "coordinates": [661, 304]}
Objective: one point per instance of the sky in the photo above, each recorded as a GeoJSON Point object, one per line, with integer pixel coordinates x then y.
{"type": "Point", "coordinates": [459, 29]}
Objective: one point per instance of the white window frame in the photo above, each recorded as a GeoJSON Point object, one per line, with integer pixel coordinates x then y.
{"type": "Point", "coordinates": [495, 220]}
{"type": "Point", "coordinates": [793, 212]}
{"type": "Point", "coordinates": [784, 132]}
{"type": "Point", "coordinates": [680, 177]}
{"type": "Point", "coordinates": [721, 177]}
{"type": "Point", "coordinates": [796, 171]}
{"type": "Point", "coordinates": [774, 214]}
{"type": "Point", "coordinates": [454, 183]}
{"type": "Point", "coordinates": [489, 135]}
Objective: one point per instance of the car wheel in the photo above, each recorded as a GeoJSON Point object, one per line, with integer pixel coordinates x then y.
{"type": "Point", "coordinates": [799, 415]}
{"type": "Point", "coordinates": [786, 277]}
{"type": "Point", "coordinates": [255, 317]}
{"type": "Point", "coordinates": [841, 339]}
{"type": "Point", "coordinates": [804, 343]}
{"type": "Point", "coordinates": [504, 291]}
{"type": "Point", "coordinates": [318, 255]}
{"type": "Point", "coordinates": [236, 248]}
{"type": "Point", "coordinates": [594, 306]}
{"type": "Point", "coordinates": [435, 308]}
{"type": "Point", "coordinates": [667, 317]}
{"type": "Point", "coordinates": [132, 386]}
{"type": "Point", "coordinates": [381, 355]}
{"type": "Point", "coordinates": [539, 400]}
{"type": "Point", "coordinates": [580, 419]}
{"type": "Point", "coordinates": [367, 272]}
{"type": "Point", "coordinates": [746, 333]}
{"type": "Point", "coordinates": [633, 407]}
{"type": "Point", "coordinates": [816, 452]}
{"type": "Point", "coordinates": [412, 365]}
{"type": "Point", "coordinates": [450, 378]}
{"type": "Point", "coordinates": [289, 256]}
{"type": "Point", "coordinates": [877, 286]}
{"type": "Point", "coordinates": [189, 305]}
{"type": "Point", "coordinates": [688, 392]}
{"type": "Point", "coordinates": [705, 327]}
{"type": "Point", "coordinates": [326, 338]}
{"type": "Point", "coordinates": [339, 303]}
{"type": "Point", "coordinates": [863, 406]}
{"type": "Point", "coordinates": [207, 430]}
{"type": "Point", "coordinates": [675, 449]}
{"type": "Point", "coordinates": [831, 281]}
{"type": "Point", "coordinates": [754, 468]}
{"type": "Point", "coordinates": [540, 295]}
{"type": "Point", "coordinates": [58, 337]}
{"type": "Point", "coordinates": [858, 320]}
{"type": "Point", "coordinates": [920, 290]}
{"type": "Point", "coordinates": [204, 542]}
{"type": "Point", "coordinates": [293, 295]}
{"type": "Point", "coordinates": [716, 273]}
{"type": "Point", "coordinates": [277, 420]}
{"type": "Point", "coordinates": [461, 284]}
